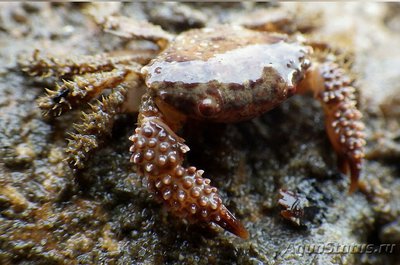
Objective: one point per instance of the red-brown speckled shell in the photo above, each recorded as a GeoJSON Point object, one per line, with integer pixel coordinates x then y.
{"type": "Point", "coordinates": [227, 73]}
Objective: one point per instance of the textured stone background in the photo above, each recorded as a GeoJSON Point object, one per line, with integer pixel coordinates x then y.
{"type": "Point", "coordinates": [49, 215]}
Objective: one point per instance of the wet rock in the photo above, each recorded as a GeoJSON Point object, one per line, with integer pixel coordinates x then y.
{"type": "Point", "coordinates": [103, 214]}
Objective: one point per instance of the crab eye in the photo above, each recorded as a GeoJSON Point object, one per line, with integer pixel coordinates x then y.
{"type": "Point", "coordinates": [208, 107]}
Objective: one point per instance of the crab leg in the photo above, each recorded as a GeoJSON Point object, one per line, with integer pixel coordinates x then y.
{"type": "Point", "coordinates": [334, 89]}
{"type": "Point", "coordinates": [84, 88]}
{"type": "Point", "coordinates": [159, 154]}
{"type": "Point", "coordinates": [94, 125]}
{"type": "Point", "coordinates": [66, 67]}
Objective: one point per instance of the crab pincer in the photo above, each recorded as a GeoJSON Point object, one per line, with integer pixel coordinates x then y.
{"type": "Point", "coordinates": [159, 154]}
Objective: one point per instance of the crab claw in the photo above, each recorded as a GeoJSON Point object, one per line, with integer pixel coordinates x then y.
{"type": "Point", "coordinates": [158, 154]}
{"type": "Point", "coordinates": [228, 221]}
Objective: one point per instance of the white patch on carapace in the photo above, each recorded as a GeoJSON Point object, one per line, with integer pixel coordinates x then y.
{"type": "Point", "coordinates": [233, 66]}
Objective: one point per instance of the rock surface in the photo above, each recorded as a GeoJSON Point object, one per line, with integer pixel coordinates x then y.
{"type": "Point", "coordinates": [103, 215]}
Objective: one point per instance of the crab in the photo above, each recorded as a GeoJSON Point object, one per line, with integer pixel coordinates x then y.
{"type": "Point", "coordinates": [225, 73]}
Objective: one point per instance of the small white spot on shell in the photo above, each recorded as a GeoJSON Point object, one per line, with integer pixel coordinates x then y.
{"type": "Point", "coordinates": [195, 192]}
{"type": "Point", "coordinates": [136, 158]}
{"type": "Point", "coordinates": [184, 148]}
{"type": "Point", "coordinates": [167, 194]}
{"type": "Point", "coordinates": [158, 184]}
{"type": "Point", "coordinates": [162, 160]}
{"type": "Point", "coordinates": [152, 142]}
{"type": "Point", "coordinates": [193, 208]}
{"type": "Point", "coordinates": [179, 171]}
{"type": "Point", "coordinates": [187, 184]}
{"type": "Point", "coordinates": [149, 167]}
{"type": "Point", "coordinates": [167, 180]}
{"type": "Point", "coordinates": [162, 135]}
{"type": "Point", "coordinates": [140, 143]}
{"type": "Point", "coordinates": [164, 147]}
{"type": "Point", "coordinates": [349, 133]}
{"type": "Point", "coordinates": [172, 159]}
{"type": "Point", "coordinates": [203, 201]}
{"type": "Point", "coordinates": [199, 181]}
{"type": "Point", "coordinates": [149, 155]}
{"type": "Point", "coordinates": [204, 213]}
{"type": "Point", "coordinates": [147, 131]}
{"type": "Point", "coordinates": [207, 190]}
{"type": "Point", "coordinates": [191, 170]}
{"type": "Point", "coordinates": [181, 195]}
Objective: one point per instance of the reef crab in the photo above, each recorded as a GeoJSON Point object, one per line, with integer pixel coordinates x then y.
{"type": "Point", "coordinates": [223, 73]}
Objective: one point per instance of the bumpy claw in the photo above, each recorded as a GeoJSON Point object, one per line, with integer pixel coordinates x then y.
{"type": "Point", "coordinates": [158, 154]}
{"type": "Point", "coordinates": [343, 120]}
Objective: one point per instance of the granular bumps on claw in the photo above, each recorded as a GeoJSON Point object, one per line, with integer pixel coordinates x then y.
{"type": "Point", "coordinates": [154, 150]}
{"type": "Point", "coordinates": [158, 154]}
